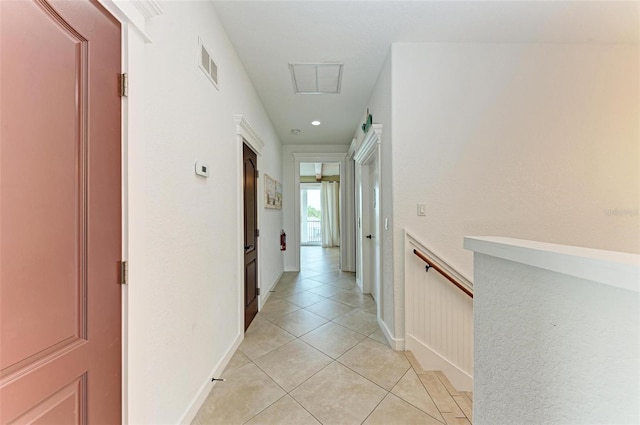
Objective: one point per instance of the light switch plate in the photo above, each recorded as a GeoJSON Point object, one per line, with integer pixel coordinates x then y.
{"type": "Point", "coordinates": [422, 209]}
{"type": "Point", "coordinates": [386, 224]}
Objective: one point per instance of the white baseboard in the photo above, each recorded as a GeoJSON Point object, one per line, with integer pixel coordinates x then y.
{"type": "Point", "coordinates": [431, 360]}
{"type": "Point", "coordinates": [395, 343]}
{"type": "Point", "coordinates": [206, 387]}
{"type": "Point", "coordinates": [265, 293]}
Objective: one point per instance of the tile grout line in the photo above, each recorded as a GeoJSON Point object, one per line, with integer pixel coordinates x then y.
{"type": "Point", "coordinates": [365, 337]}
{"type": "Point", "coordinates": [337, 360]}
{"type": "Point", "coordinates": [333, 360]}
{"type": "Point", "coordinates": [287, 393]}
{"type": "Point", "coordinates": [447, 385]}
{"type": "Point", "coordinates": [425, 390]}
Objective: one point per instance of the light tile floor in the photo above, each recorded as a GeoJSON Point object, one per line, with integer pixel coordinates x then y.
{"type": "Point", "coordinates": [315, 355]}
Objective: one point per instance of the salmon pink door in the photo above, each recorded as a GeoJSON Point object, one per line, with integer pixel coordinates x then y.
{"type": "Point", "coordinates": [60, 213]}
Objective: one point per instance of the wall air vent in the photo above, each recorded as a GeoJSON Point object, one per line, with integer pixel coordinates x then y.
{"type": "Point", "coordinates": [206, 64]}
{"type": "Point", "coordinates": [316, 78]}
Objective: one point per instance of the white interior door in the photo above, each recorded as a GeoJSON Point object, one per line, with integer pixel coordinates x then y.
{"type": "Point", "coordinates": [363, 271]}
{"type": "Point", "coordinates": [368, 235]}
{"type": "Point", "coordinates": [373, 237]}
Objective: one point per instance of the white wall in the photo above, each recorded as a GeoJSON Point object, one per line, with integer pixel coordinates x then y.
{"type": "Point", "coordinates": [288, 195]}
{"type": "Point", "coordinates": [550, 346]}
{"type": "Point", "coordinates": [183, 312]}
{"type": "Point", "coordinates": [380, 108]}
{"type": "Point", "coordinates": [528, 141]}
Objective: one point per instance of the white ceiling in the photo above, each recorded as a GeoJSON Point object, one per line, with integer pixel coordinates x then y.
{"type": "Point", "coordinates": [268, 35]}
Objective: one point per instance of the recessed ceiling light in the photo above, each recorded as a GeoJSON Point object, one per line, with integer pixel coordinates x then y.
{"type": "Point", "coordinates": [315, 122]}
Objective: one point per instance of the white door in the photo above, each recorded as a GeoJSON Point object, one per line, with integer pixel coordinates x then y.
{"type": "Point", "coordinates": [368, 196]}
{"type": "Point", "coordinates": [362, 211]}
{"type": "Point", "coordinates": [368, 239]}
{"type": "Point", "coordinates": [373, 238]}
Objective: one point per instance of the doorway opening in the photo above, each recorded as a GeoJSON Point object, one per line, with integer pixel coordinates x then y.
{"type": "Point", "coordinates": [320, 211]}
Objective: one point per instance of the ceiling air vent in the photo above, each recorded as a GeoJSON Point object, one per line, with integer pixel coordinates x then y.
{"type": "Point", "coordinates": [206, 64]}
{"type": "Point", "coordinates": [316, 78]}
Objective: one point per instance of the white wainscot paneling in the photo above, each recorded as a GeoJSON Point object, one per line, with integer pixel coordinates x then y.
{"type": "Point", "coordinates": [439, 318]}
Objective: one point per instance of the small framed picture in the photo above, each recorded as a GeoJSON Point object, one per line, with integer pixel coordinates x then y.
{"type": "Point", "coordinates": [273, 193]}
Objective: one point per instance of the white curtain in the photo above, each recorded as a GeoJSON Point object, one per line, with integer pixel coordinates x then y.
{"type": "Point", "coordinates": [330, 204]}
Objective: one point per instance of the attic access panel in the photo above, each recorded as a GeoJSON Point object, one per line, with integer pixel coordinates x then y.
{"type": "Point", "coordinates": [316, 78]}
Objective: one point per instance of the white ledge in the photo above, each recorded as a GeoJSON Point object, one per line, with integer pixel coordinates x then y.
{"type": "Point", "coordinates": [612, 268]}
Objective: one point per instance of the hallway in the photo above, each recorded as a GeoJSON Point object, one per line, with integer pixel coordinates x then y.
{"type": "Point", "coordinates": [315, 354]}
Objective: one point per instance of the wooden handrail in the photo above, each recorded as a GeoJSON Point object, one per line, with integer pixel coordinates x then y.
{"type": "Point", "coordinates": [431, 264]}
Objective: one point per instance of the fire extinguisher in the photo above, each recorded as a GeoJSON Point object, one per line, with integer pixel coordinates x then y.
{"type": "Point", "coordinates": [283, 241]}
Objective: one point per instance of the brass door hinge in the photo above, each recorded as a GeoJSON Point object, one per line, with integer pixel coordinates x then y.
{"type": "Point", "coordinates": [124, 272]}
{"type": "Point", "coordinates": [124, 85]}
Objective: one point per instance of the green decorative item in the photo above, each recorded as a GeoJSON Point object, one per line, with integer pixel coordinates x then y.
{"type": "Point", "coordinates": [367, 125]}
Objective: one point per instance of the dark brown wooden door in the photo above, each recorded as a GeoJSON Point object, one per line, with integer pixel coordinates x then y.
{"type": "Point", "coordinates": [60, 209]}
{"type": "Point", "coordinates": [250, 236]}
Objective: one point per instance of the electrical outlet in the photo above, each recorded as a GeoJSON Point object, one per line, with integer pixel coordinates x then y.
{"type": "Point", "coordinates": [422, 209]}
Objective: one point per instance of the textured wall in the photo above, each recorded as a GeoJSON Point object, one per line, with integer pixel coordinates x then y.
{"type": "Point", "coordinates": [184, 293]}
{"type": "Point", "coordinates": [534, 141]}
{"type": "Point", "coordinates": [553, 349]}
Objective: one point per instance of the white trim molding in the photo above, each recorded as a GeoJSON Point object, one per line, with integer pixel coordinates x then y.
{"type": "Point", "coordinates": [148, 8]}
{"type": "Point", "coordinates": [367, 154]}
{"type": "Point", "coordinates": [618, 269]}
{"type": "Point", "coordinates": [133, 14]}
{"type": "Point", "coordinates": [133, 39]}
{"type": "Point", "coordinates": [371, 140]}
{"type": "Point", "coordinates": [244, 129]}
{"type": "Point", "coordinates": [207, 386]}
{"type": "Point", "coordinates": [397, 344]}
{"type": "Point", "coordinates": [246, 134]}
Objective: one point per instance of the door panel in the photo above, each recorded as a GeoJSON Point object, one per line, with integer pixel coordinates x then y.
{"type": "Point", "coordinates": [63, 407]}
{"type": "Point", "coordinates": [250, 236]}
{"type": "Point", "coordinates": [60, 209]}
{"type": "Point", "coordinates": [374, 231]}
{"type": "Point", "coordinates": [45, 211]}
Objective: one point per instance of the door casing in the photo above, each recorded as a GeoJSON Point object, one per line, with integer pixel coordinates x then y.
{"type": "Point", "coordinates": [245, 134]}
{"type": "Point", "coordinates": [366, 156]}
{"type": "Point", "coordinates": [294, 240]}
